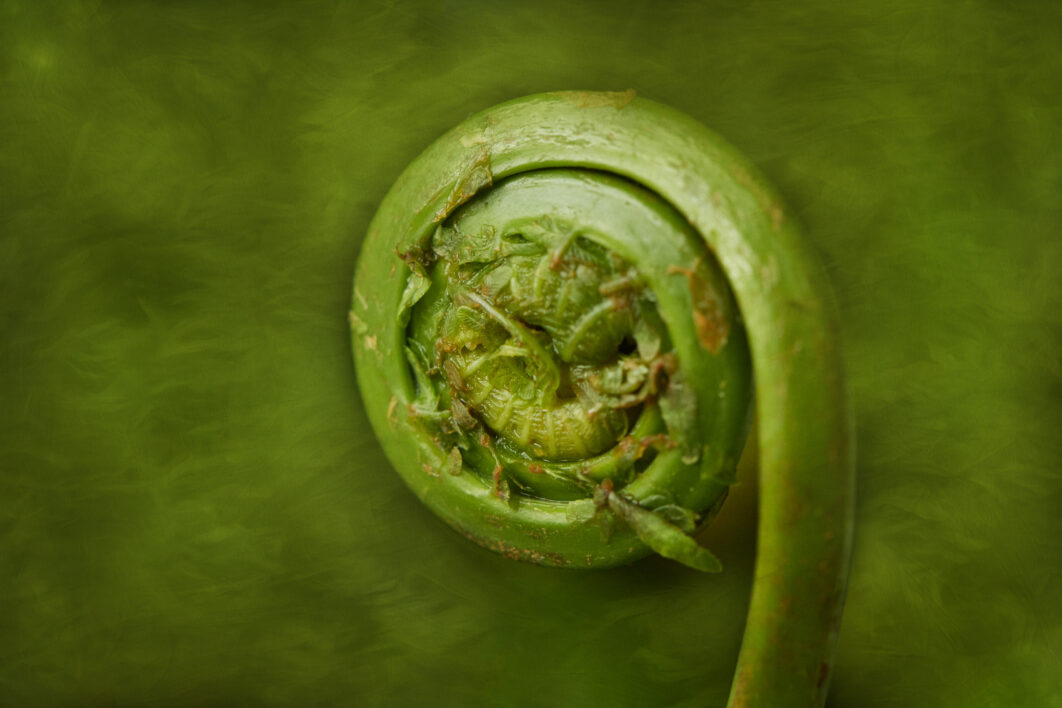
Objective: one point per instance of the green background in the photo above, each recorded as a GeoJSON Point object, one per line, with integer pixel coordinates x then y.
{"type": "Point", "coordinates": [193, 511]}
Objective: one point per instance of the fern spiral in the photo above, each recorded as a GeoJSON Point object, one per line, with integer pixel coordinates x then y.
{"type": "Point", "coordinates": [558, 315]}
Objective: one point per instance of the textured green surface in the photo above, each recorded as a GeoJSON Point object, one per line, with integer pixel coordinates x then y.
{"type": "Point", "coordinates": [192, 509]}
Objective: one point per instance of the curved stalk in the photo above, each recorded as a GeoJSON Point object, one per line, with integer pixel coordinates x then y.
{"type": "Point", "coordinates": [560, 367]}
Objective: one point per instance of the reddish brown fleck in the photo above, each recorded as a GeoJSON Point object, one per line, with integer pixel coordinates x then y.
{"type": "Point", "coordinates": [416, 256]}
{"type": "Point", "coordinates": [624, 446]}
{"type": "Point", "coordinates": [496, 476]}
{"type": "Point", "coordinates": [556, 258]}
{"type": "Point", "coordinates": [711, 324]}
{"type": "Point", "coordinates": [653, 440]}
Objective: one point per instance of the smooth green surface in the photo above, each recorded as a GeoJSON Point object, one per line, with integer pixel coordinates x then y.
{"type": "Point", "coordinates": [192, 509]}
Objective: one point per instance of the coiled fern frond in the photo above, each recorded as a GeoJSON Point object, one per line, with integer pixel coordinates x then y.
{"type": "Point", "coordinates": [558, 315]}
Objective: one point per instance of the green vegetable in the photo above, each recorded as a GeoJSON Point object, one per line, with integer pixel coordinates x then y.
{"type": "Point", "coordinates": [549, 325]}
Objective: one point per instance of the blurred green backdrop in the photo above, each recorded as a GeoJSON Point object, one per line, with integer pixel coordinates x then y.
{"type": "Point", "coordinates": [193, 511]}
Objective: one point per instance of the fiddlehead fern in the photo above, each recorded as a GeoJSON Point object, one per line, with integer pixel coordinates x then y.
{"type": "Point", "coordinates": [549, 325]}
